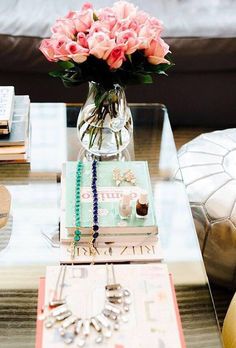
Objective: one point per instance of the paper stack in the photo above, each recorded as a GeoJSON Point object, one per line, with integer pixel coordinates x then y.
{"type": "Point", "coordinates": [153, 318]}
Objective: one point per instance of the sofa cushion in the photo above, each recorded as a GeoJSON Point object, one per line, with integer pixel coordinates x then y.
{"type": "Point", "coordinates": [202, 36]}
{"type": "Point", "coordinates": [182, 18]}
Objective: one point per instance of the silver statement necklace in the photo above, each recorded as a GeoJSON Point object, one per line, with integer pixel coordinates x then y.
{"type": "Point", "coordinates": [74, 329]}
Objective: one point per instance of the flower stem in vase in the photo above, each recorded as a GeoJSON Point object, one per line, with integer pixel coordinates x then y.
{"type": "Point", "coordinates": [120, 137]}
{"type": "Point", "coordinates": [100, 139]}
{"type": "Point", "coordinates": [104, 125]}
{"type": "Point", "coordinates": [117, 141]}
{"type": "Point", "coordinates": [94, 133]}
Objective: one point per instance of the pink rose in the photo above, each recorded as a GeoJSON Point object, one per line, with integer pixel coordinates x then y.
{"type": "Point", "coordinates": [129, 39]}
{"type": "Point", "coordinates": [107, 17]}
{"type": "Point", "coordinates": [133, 25]}
{"type": "Point", "coordinates": [142, 17]}
{"type": "Point", "coordinates": [116, 57]}
{"type": "Point", "coordinates": [120, 26]}
{"type": "Point", "coordinates": [77, 52]}
{"type": "Point", "coordinates": [100, 45]}
{"type": "Point", "coordinates": [156, 24]}
{"type": "Point", "coordinates": [73, 14]}
{"type": "Point", "coordinates": [156, 52]}
{"type": "Point", "coordinates": [86, 6]}
{"type": "Point", "coordinates": [83, 20]}
{"type": "Point", "coordinates": [70, 14]}
{"type": "Point", "coordinates": [82, 39]}
{"type": "Point", "coordinates": [64, 27]}
{"type": "Point", "coordinates": [124, 9]}
{"type": "Point", "coordinates": [147, 32]}
{"type": "Point", "coordinates": [47, 48]}
{"type": "Point", "coordinates": [125, 24]}
{"type": "Point", "coordinates": [98, 27]}
{"type": "Point", "coordinates": [61, 51]}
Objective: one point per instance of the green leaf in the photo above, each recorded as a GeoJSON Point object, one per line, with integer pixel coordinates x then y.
{"type": "Point", "coordinates": [55, 73]}
{"type": "Point", "coordinates": [144, 78]}
{"type": "Point", "coordinates": [129, 57]}
{"type": "Point", "coordinates": [66, 65]}
{"type": "Point", "coordinates": [147, 79]}
{"type": "Point", "coordinates": [95, 17]}
{"type": "Point", "coordinates": [135, 70]}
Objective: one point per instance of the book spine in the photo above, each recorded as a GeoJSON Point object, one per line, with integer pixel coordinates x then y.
{"type": "Point", "coordinates": [7, 94]}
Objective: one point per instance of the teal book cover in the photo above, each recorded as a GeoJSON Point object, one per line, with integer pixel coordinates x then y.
{"type": "Point", "coordinates": [108, 197]}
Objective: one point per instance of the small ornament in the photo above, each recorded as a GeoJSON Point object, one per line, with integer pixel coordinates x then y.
{"type": "Point", "coordinates": [117, 177]}
{"type": "Point", "coordinates": [130, 177]}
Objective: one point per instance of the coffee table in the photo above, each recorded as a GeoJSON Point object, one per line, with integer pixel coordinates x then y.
{"type": "Point", "coordinates": [30, 240]}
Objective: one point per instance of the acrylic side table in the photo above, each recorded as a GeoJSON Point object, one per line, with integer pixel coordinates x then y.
{"type": "Point", "coordinates": [29, 242]}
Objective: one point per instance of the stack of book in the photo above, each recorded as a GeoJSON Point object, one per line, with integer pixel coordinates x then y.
{"type": "Point", "coordinates": [118, 239]}
{"type": "Point", "coordinates": [14, 126]}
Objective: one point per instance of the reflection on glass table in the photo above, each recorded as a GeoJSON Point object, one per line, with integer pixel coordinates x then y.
{"type": "Point", "coordinates": [31, 236]}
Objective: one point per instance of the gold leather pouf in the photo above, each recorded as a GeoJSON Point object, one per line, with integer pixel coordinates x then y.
{"type": "Point", "coordinates": [5, 203]}
{"type": "Point", "coordinates": [229, 332]}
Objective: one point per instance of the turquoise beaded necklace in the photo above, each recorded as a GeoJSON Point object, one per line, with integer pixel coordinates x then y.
{"type": "Point", "coordinates": [77, 233]}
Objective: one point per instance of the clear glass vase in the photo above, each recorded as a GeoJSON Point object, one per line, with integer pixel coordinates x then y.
{"type": "Point", "coordinates": [105, 123]}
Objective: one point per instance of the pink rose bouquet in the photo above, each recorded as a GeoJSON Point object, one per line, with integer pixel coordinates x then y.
{"type": "Point", "coordinates": [113, 45]}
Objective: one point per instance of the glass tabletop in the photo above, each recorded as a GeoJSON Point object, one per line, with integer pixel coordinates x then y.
{"type": "Point", "coordinates": [30, 240]}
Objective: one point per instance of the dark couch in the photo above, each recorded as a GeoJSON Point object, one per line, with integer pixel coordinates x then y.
{"type": "Point", "coordinates": [200, 89]}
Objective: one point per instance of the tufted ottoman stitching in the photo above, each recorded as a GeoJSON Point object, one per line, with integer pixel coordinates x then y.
{"type": "Point", "coordinates": [208, 167]}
